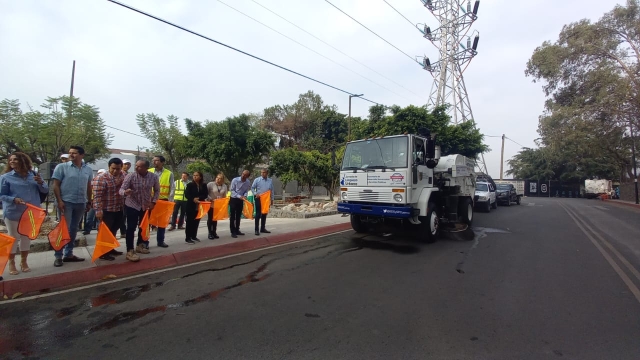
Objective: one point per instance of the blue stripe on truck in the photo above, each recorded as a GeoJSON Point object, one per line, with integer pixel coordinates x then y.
{"type": "Point", "coordinates": [375, 210]}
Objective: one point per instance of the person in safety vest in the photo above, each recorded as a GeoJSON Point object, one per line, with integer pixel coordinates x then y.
{"type": "Point", "coordinates": [180, 200]}
{"type": "Point", "coordinates": [167, 188]}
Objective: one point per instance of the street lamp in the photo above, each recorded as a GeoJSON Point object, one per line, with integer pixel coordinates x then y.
{"type": "Point", "coordinates": [350, 96]}
{"type": "Point", "coordinates": [633, 160]}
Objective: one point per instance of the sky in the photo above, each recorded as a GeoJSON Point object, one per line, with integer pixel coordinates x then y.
{"type": "Point", "coordinates": [127, 63]}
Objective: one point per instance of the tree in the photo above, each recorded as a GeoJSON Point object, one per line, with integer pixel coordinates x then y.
{"type": "Point", "coordinates": [165, 137]}
{"type": "Point", "coordinates": [43, 136]}
{"type": "Point", "coordinates": [591, 74]}
{"type": "Point", "coordinates": [230, 145]}
{"type": "Point", "coordinates": [201, 167]}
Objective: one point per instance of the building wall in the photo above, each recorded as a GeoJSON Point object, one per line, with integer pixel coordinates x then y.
{"type": "Point", "coordinates": [627, 191]}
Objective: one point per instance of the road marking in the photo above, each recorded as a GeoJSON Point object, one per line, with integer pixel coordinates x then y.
{"type": "Point", "coordinates": [634, 289]}
{"type": "Point", "coordinates": [531, 204]}
{"type": "Point", "coordinates": [601, 207]}
{"type": "Point", "coordinates": [109, 282]}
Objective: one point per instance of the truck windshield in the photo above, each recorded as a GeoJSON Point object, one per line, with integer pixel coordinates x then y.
{"type": "Point", "coordinates": [376, 153]}
{"type": "Point", "coordinates": [482, 187]}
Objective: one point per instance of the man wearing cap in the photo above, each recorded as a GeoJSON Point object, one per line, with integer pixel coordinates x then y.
{"type": "Point", "coordinates": [126, 165]}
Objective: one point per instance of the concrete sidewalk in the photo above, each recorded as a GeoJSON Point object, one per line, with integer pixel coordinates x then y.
{"type": "Point", "coordinates": [623, 202]}
{"type": "Point", "coordinates": [44, 277]}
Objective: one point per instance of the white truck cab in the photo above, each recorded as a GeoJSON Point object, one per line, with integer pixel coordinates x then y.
{"type": "Point", "coordinates": [485, 196]}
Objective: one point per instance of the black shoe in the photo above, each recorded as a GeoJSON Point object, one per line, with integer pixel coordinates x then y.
{"type": "Point", "coordinates": [233, 235]}
{"type": "Point", "coordinates": [257, 232]}
{"type": "Point", "coordinates": [85, 233]}
{"type": "Point", "coordinates": [190, 242]}
{"type": "Point", "coordinates": [239, 233]}
{"type": "Point", "coordinates": [1, 278]}
{"type": "Point", "coordinates": [58, 263]}
{"type": "Point", "coordinates": [115, 252]}
{"type": "Point", "coordinates": [195, 239]}
{"type": "Point", "coordinates": [215, 236]}
{"type": "Point", "coordinates": [107, 257]}
{"type": "Point", "coordinates": [265, 231]}
{"type": "Point", "coordinates": [163, 245]}
{"type": "Point", "coordinates": [210, 237]}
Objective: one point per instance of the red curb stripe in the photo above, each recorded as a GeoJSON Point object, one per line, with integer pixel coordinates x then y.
{"type": "Point", "coordinates": [53, 282]}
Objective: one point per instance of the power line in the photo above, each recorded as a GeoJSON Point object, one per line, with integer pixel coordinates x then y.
{"type": "Point", "coordinates": [333, 47]}
{"type": "Point", "coordinates": [310, 49]}
{"type": "Point", "coordinates": [517, 143]}
{"type": "Point", "coordinates": [373, 32]}
{"type": "Point", "coordinates": [125, 131]}
{"type": "Point", "coordinates": [238, 50]}
{"type": "Point", "coordinates": [409, 21]}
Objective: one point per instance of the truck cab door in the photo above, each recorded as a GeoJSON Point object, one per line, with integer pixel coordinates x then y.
{"type": "Point", "coordinates": [421, 175]}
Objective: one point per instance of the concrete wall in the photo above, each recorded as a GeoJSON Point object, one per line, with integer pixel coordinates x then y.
{"type": "Point", "coordinates": [627, 191]}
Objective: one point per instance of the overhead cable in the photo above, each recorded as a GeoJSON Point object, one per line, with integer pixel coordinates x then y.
{"type": "Point", "coordinates": [238, 50]}
{"type": "Point", "coordinates": [310, 49]}
{"type": "Point", "coordinates": [334, 48]}
{"type": "Point", "coordinates": [396, 10]}
{"type": "Point", "coordinates": [373, 32]}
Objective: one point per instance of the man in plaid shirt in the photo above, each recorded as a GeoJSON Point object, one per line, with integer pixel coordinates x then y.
{"type": "Point", "coordinates": [107, 201]}
{"type": "Point", "coordinates": [142, 189]}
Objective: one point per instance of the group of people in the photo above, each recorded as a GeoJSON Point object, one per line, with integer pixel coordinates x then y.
{"type": "Point", "coordinates": [120, 199]}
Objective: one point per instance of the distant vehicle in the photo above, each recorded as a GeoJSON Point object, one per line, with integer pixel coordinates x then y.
{"type": "Point", "coordinates": [485, 197]}
{"type": "Point", "coordinates": [507, 194]}
{"type": "Point", "coordinates": [517, 184]}
{"type": "Point", "coordinates": [595, 188]}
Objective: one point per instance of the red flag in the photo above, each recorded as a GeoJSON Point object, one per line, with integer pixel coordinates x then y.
{"type": "Point", "coordinates": [105, 242]}
{"type": "Point", "coordinates": [59, 236]}
{"type": "Point", "coordinates": [161, 214]}
{"type": "Point", "coordinates": [203, 208]}
{"type": "Point", "coordinates": [220, 209]}
{"type": "Point", "coordinates": [145, 227]}
{"type": "Point", "coordinates": [31, 221]}
{"type": "Point", "coordinates": [6, 243]}
{"type": "Point", "coordinates": [265, 202]}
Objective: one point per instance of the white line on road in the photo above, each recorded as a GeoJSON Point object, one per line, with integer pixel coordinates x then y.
{"type": "Point", "coordinates": [160, 271]}
{"type": "Point", "coordinates": [634, 289]}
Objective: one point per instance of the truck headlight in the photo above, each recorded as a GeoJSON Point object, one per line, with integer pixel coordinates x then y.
{"type": "Point", "coordinates": [483, 198]}
{"type": "Point", "coordinates": [397, 197]}
{"type": "Point", "coordinates": [344, 195]}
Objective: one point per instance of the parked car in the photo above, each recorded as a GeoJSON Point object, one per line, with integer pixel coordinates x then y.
{"type": "Point", "coordinates": [506, 194]}
{"type": "Point", "coordinates": [485, 197]}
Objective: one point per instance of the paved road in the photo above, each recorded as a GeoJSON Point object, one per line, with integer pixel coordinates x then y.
{"type": "Point", "coordinates": [531, 284]}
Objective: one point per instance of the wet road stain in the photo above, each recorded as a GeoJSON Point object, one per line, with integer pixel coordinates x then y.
{"type": "Point", "coordinates": [312, 315]}
{"type": "Point", "coordinates": [129, 316]}
{"type": "Point", "coordinates": [479, 233]}
{"type": "Point", "coordinates": [390, 246]}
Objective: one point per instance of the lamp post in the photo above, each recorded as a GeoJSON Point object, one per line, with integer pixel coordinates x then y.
{"type": "Point", "coordinates": [633, 160]}
{"type": "Point", "coordinates": [350, 96]}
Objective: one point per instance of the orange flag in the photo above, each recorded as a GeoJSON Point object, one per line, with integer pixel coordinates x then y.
{"type": "Point", "coordinates": [221, 209]}
{"type": "Point", "coordinates": [105, 242]}
{"type": "Point", "coordinates": [6, 243]}
{"type": "Point", "coordinates": [161, 214]}
{"type": "Point", "coordinates": [145, 227]}
{"type": "Point", "coordinates": [203, 208]}
{"type": "Point", "coordinates": [265, 202]}
{"type": "Point", "coordinates": [59, 236]}
{"type": "Point", "coordinates": [247, 210]}
{"type": "Point", "coordinates": [31, 221]}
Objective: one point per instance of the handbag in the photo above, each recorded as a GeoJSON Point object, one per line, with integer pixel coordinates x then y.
{"type": "Point", "coordinates": [43, 196]}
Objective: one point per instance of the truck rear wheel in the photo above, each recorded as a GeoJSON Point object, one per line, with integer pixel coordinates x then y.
{"type": "Point", "coordinates": [430, 225]}
{"type": "Point", "coordinates": [357, 224]}
{"type": "Point", "coordinates": [465, 211]}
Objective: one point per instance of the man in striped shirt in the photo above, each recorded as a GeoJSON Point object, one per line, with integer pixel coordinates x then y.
{"type": "Point", "coordinates": [142, 189]}
{"type": "Point", "coordinates": [107, 201]}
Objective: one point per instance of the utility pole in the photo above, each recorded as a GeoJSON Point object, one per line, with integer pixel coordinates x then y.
{"type": "Point", "coordinates": [73, 76]}
{"type": "Point", "coordinates": [502, 157]}
{"type": "Point", "coordinates": [633, 160]}
{"type": "Point", "coordinates": [350, 96]}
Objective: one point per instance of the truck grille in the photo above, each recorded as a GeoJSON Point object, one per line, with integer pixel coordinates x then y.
{"type": "Point", "coordinates": [368, 196]}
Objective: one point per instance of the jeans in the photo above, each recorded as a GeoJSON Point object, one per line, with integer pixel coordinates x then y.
{"type": "Point", "coordinates": [123, 223]}
{"type": "Point", "coordinates": [260, 218]}
{"type": "Point", "coordinates": [90, 221]}
{"type": "Point", "coordinates": [160, 235]}
{"type": "Point", "coordinates": [73, 215]}
{"type": "Point", "coordinates": [235, 214]}
{"type": "Point", "coordinates": [112, 219]}
{"type": "Point", "coordinates": [212, 225]}
{"type": "Point", "coordinates": [182, 207]}
{"type": "Point", "coordinates": [133, 220]}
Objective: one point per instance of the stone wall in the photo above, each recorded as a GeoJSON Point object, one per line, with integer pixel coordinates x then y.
{"type": "Point", "coordinates": [627, 191]}
{"type": "Point", "coordinates": [305, 211]}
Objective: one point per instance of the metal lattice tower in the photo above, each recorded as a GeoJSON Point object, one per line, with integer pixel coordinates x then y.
{"type": "Point", "coordinates": [456, 49]}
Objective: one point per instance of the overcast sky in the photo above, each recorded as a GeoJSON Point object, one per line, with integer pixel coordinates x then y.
{"type": "Point", "coordinates": [128, 64]}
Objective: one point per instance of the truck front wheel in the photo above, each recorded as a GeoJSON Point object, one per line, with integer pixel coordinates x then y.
{"type": "Point", "coordinates": [430, 225]}
{"type": "Point", "coordinates": [465, 211]}
{"type": "Point", "coordinates": [357, 224]}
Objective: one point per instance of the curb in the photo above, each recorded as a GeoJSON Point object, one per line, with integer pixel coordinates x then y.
{"type": "Point", "coordinates": [48, 283]}
{"type": "Point", "coordinates": [637, 206]}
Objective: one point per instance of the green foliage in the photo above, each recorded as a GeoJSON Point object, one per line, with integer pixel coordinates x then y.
{"type": "Point", "coordinates": [165, 137]}
{"type": "Point", "coordinates": [229, 146]}
{"type": "Point", "coordinates": [45, 135]}
{"type": "Point", "coordinates": [202, 167]}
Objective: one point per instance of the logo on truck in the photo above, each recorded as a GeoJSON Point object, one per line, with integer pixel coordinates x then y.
{"type": "Point", "coordinates": [389, 211]}
{"type": "Point", "coordinates": [396, 177]}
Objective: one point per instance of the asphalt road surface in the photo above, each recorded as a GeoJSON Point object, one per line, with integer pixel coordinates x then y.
{"type": "Point", "coordinates": [549, 279]}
